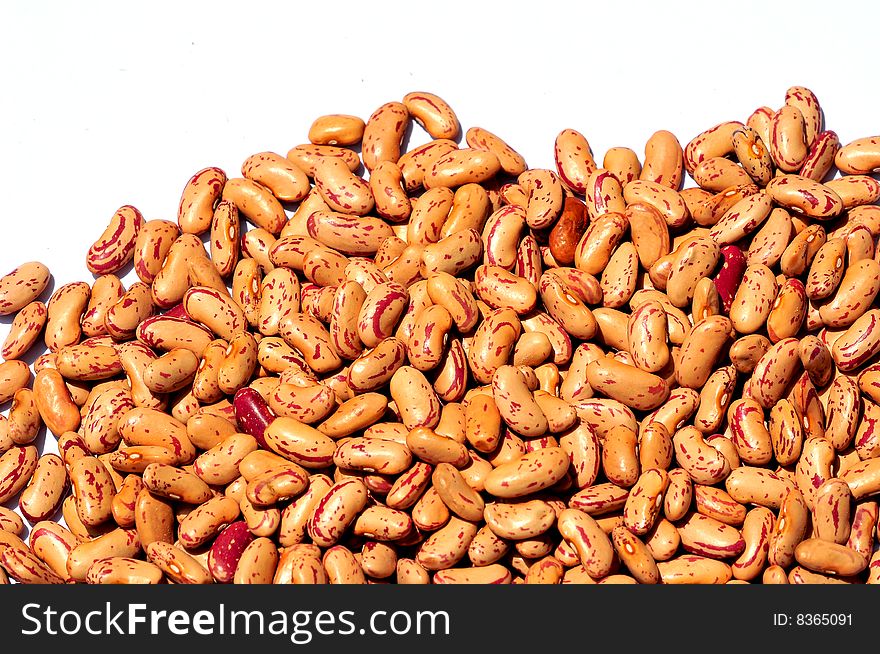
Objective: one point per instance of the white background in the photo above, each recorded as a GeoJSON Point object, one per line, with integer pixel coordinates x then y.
{"type": "Point", "coordinates": [113, 103]}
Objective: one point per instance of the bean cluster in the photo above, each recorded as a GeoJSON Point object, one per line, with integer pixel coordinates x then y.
{"type": "Point", "coordinates": [459, 369]}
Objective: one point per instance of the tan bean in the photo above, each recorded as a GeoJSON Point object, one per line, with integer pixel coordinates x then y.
{"type": "Point", "coordinates": [619, 279]}
{"type": "Point", "coordinates": [171, 372]}
{"type": "Point", "coordinates": [774, 574]}
{"type": "Point", "coordinates": [655, 446]}
{"type": "Point", "coordinates": [663, 161]}
{"type": "Point", "coordinates": [831, 511]}
{"type": "Point", "coordinates": [757, 526]}
{"type": "Point", "coordinates": [255, 202]}
{"type": "Point", "coordinates": [742, 218]}
{"type": "Point", "coordinates": [859, 243]}
{"type": "Point", "coordinates": [788, 138]}
{"type": "Point", "coordinates": [805, 196]}
{"type": "Point", "coordinates": [155, 237]}
{"type": "Point", "coordinates": [45, 491]}
{"type": "Point", "coordinates": [276, 484]}
{"type": "Point", "coordinates": [863, 478]}
{"type": "Point", "coordinates": [855, 190]}
{"type": "Point", "coordinates": [703, 463]}
{"type": "Point", "coordinates": [749, 433]}
{"type": "Point", "coordinates": [336, 510]}
{"type": "Point", "coordinates": [662, 198]}
{"type": "Point", "coordinates": [416, 401]}
{"type": "Point", "coordinates": [383, 524]}
{"type": "Point", "coordinates": [627, 384]}
{"type": "Point", "coordinates": [663, 540]}
{"type": "Point", "coordinates": [859, 343]}
{"type": "Point", "coordinates": [714, 142]}
{"type": "Point", "coordinates": [859, 157]}
{"type": "Point", "coordinates": [530, 473]}
{"type": "Point", "coordinates": [821, 156]}
{"type": "Point", "coordinates": [51, 543]}
{"type": "Point", "coordinates": [696, 260]}
{"type": "Point", "coordinates": [701, 349]}
{"type": "Point", "coordinates": [197, 201]}
{"type": "Point", "coordinates": [336, 129]}
{"type": "Point", "coordinates": [306, 157]}
{"type": "Point", "coordinates": [429, 512]}
{"type": "Point", "coordinates": [24, 331]}
{"type": "Point", "coordinates": [829, 558]}
{"type": "Point", "coordinates": [172, 279]}
{"type": "Point", "coordinates": [11, 522]}
{"type": "Point", "coordinates": [746, 351]}
{"type": "Point", "coordinates": [604, 194]}
{"type": "Point", "coordinates": [219, 464]}
{"type": "Point", "coordinates": [433, 114]}
{"type": "Point", "coordinates": [129, 311]}
{"type": "Point", "coordinates": [595, 248]}
{"type": "Point", "coordinates": [715, 399]}
{"type": "Point", "coordinates": [383, 134]}
{"type": "Point", "coordinates": [310, 338]}
{"type": "Point", "coordinates": [749, 485]}
{"type": "Point", "coordinates": [299, 443]}
{"type": "Point", "coordinates": [500, 288]}
{"type": "Point", "coordinates": [94, 491]}
{"type": "Point", "coordinates": [14, 376]}
{"type": "Point", "coordinates": [544, 196]}
{"type": "Point", "coordinates": [22, 565]}
{"type": "Point", "coordinates": [775, 371]}
{"type": "Point", "coordinates": [644, 501]}
{"type": "Point", "coordinates": [753, 155]}
{"type": "Point", "coordinates": [373, 455]}
{"type": "Point", "coordinates": [106, 291]}
{"type": "Point", "coordinates": [167, 333]}
{"type": "Point", "coordinates": [125, 500]}
{"type": "Point", "coordinates": [594, 548]}
{"type": "Point", "coordinates": [175, 484]}
{"type": "Point", "coordinates": [22, 286]}
{"type": "Point", "coordinates": [433, 448]}
{"type": "Point", "coordinates": [854, 296]}
{"type": "Point", "coordinates": [619, 459]}
{"type": "Point", "coordinates": [119, 542]}
{"type": "Point", "coordinates": [863, 527]}
{"type": "Point", "coordinates": [511, 162]}
{"type": "Point", "coordinates": [600, 499]}
{"type": "Point", "coordinates": [238, 364]}
{"type": "Point", "coordinates": [123, 570]}
{"type": "Point", "coordinates": [692, 569]}
{"type": "Point", "coordinates": [789, 530]}
{"type": "Point", "coordinates": [65, 309]}
{"type": "Point", "coordinates": [284, 178]}
{"type": "Point", "coordinates": [258, 563]}
{"type": "Point", "coordinates": [623, 163]}
{"type": "Point", "coordinates": [574, 159]}
{"type": "Point", "coordinates": [635, 555]}
{"type": "Point", "coordinates": [386, 187]}
{"type": "Point", "coordinates": [785, 433]}
{"type": "Point", "coordinates": [516, 404]}
{"type": "Point", "coordinates": [487, 548]}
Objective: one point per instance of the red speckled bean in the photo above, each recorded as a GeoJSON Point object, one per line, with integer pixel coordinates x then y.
{"type": "Point", "coordinates": [227, 550]}
{"type": "Point", "coordinates": [115, 247]}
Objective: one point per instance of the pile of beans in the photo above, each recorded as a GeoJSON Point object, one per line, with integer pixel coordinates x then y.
{"type": "Point", "coordinates": [463, 370]}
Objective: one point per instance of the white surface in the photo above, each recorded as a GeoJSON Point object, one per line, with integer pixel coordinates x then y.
{"type": "Point", "coordinates": [109, 103]}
